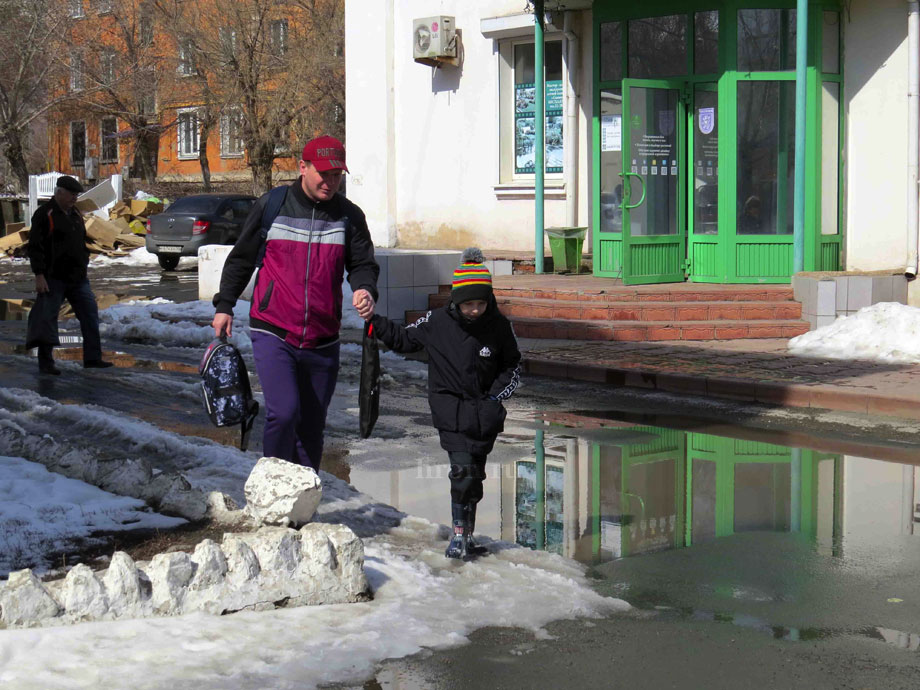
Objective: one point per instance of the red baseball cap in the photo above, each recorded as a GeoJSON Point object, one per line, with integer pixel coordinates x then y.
{"type": "Point", "coordinates": [325, 153]}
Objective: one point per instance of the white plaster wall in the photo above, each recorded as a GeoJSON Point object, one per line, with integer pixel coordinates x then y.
{"type": "Point", "coordinates": [875, 76]}
{"type": "Point", "coordinates": [872, 501]}
{"type": "Point", "coordinates": [424, 171]}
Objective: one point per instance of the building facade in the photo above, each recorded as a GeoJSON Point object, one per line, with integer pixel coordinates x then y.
{"type": "Point", "coordinates": [669, 133]}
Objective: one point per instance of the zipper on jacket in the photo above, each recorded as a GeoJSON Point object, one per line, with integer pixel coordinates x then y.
{"type": "Point", "coordinates": [306, 283]}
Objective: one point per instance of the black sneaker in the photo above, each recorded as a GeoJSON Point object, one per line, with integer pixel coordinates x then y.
{"type": "Point", "coordinates": [97, 364]}
{"type": "Point", "coordinates": [49, 369]}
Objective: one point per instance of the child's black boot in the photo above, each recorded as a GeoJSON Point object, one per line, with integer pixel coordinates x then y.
{"type": "Point", "coordinates": [457, 547]}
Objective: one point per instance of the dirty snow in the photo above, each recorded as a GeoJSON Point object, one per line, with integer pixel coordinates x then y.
{"type": "Point", "coordinates": [43, 514]}
{"type": "Point", "coordinates": [421, 600]}
{"type": "Point", "coordinates": [885, 332]}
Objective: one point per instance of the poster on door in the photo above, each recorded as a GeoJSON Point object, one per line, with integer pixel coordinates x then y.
{"type": "Point", "coordinates": [611, 133]}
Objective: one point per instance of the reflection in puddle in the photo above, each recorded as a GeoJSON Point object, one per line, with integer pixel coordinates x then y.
{"type": "Point", "coordinates": [119, 359]}
{"type": "Point", "coordinates": [18, 309]}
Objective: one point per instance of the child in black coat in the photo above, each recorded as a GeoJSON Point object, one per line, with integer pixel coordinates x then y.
{"type": "Point", "coordinates": [473, 365]}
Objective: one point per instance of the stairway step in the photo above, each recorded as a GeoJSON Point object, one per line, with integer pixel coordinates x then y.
{"type": "Point", "coordinates": [570, 329]}
{"type": "Point", "coordinates": [520, 307]}
{"type": "Point", "coordinates": [657, 293]}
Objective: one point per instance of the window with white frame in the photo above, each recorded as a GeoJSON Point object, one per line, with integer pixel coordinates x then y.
{"type": "Point", "coordinates": [75, 8]}
{"type": "Point", "coordinates": [227, 37]}
{"type": "Point", "coordinates": [231, 133]}
{"type": "Point", "coordinates": [107, 65]}
{"type": "Point", "coordinates": [517, 109]}
{"type": "Point", "coordinates": [108, 146]}
{"type": "Point", "coordinates": [187, 57]}
{"type": "Point", "coordinates": [188, 131]}
{"type": "Point", "coordinates": [76, 71]}
{"type": "Point", "coordinates": [145, 28]}
{"type": "Point", "coordinates": [278, 37]}
{"type": "Point", "coordinates": [77, 143]}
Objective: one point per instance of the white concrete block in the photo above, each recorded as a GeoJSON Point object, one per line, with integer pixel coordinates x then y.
{"type": "Point", "coordinates": [421, 294]}
{"type": "Point", "coordinates": [859, 292]}
{"type": "Point", "coordinates": [503, 267]}
{"type": "Point", "coordinates": [448, 262]}
{"type": "Point", "coordinates": [211, 259]}
{"type": "Point", "coordinates": [826, 304]}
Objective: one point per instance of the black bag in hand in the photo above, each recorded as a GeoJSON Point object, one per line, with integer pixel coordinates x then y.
{"type": "Point", "coordinates": [227, 393]}
{"type": "Point", "coordinates": [369, 393]}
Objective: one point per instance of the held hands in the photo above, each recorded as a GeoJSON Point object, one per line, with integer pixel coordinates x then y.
{"type": "Point", "coordinates": [41, 285]}
{"type": "Point", "coordinates": [223, 325]}
{"type": "Point", "coordinates": [364, 303]}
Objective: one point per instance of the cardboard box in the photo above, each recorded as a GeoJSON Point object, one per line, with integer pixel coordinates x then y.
{"type": "Point", "coordinates": [128, 241]}
{"type": "Point", "coordinates": [14, 242]}
{"type": "Point", "coordinates": [120, 209]}
{"type": "Point", "coordinates": [121, 223]}
{"type": "Point", "coordinates": [13, 227]}
{"type": "Point", "coordinates": [87, 205]}
{"type": "Point", "coordinates": [145, 208]}
{"type": "Point", "coordinates": [101, 232]}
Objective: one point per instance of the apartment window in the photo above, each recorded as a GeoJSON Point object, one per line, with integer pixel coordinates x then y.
{"type": "Point", "coordinates": [279, 34]}
{"type": "Point", "coordinates": [76, 9]}
{"type": "Point", "coordinates": [107, 65]}
{"type": "Point", "coordinates": [145, 29]}
{"type": "Point", "coordinates": [76, 72]}
{"type": "Point", "coordinates": [108, 129]}
{"type": "Point", "coordinates": [227, 37]}
{"type": "Point", "coordinates": [231, 134]}
{"type": "Point", "coordinates": [104, 6]}
{"type": "Point", "coordinates": [188, 132]}
{"type": "Point", "coordinates": [187, 57]}
{"type": "Point", "coordinates": [77, 144]}
{"type": "Point", "coordinates": [517, 103]}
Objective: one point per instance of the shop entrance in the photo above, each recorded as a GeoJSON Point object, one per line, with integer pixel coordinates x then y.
{"type": "Point", "coordinates": [681, 98]}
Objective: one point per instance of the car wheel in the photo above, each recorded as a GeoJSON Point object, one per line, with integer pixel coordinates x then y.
{"type": "Point", "coordinates": [168, 263]}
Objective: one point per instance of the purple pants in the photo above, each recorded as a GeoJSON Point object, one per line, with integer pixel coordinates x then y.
{"type": "Point", "coordinates": [298, 386]}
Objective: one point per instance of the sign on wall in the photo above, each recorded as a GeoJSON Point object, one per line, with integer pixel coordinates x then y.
{"type": "Point", "coordinates": [525, 131]}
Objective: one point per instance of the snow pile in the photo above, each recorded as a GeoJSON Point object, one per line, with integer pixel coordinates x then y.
{"type": "Point", "coordinates": [420, 600]}
{"type": "Point", "coordinates": [43, 514]}
{"type": "Point", "coordinates": [139, 257]}
{"type": "Point", "coordinates": [884, 332]}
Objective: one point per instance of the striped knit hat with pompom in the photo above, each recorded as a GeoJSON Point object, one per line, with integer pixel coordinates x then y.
{"type": "Point", "coordinates": [472, 279]}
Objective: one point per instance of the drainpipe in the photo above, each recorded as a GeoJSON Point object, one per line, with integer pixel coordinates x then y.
{"type": "Point", "coordinates": [571, 122]}
{"type": "Point", "coordinates": [913, 134]}
{"type": "Point", "coordinates": [801, 65]}
{"type": "Point", "coordinates": [539, 121]}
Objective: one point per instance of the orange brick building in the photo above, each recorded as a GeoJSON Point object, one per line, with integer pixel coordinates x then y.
{"type": "Point", "coordinates": [142, 100]}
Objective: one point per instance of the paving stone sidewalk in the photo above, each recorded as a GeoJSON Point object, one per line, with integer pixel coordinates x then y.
{"type": "Point", "coordinates": [747, 370]}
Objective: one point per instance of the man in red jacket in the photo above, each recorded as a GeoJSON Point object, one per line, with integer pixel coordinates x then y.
{"type": "Point", "coordinates": [302, 253]}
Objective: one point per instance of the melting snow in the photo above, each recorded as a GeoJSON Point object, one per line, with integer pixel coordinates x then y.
{"type": "Point", "coordinates": [886, 332]}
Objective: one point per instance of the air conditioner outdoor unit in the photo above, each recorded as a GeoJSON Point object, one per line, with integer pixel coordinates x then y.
{"type": "Point", "coordinates": [434, 40]}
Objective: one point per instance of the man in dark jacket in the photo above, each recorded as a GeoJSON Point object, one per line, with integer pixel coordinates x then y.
{"type": "Point", "coordinates": [59, 257]}
{"type": "Point", "coordinates": [473, 365]}
{"type": "Point", "coordinates": [302, 252]}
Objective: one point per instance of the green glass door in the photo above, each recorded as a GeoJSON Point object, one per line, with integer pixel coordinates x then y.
{"type": "Point", "coordinates": [654, 208]}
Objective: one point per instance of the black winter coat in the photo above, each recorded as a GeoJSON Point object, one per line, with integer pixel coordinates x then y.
{"type": "Point", "coordinates": [57, 243]}
{"type": "Point", "coordinates": [472, 367]}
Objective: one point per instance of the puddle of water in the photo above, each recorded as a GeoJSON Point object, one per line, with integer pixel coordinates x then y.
{"type": "Point", "coordinates": [119, 359]}
{"type": "Point", "coordinates": [18, 309]}
{"type": "Point", "coordinates": [786, 539]}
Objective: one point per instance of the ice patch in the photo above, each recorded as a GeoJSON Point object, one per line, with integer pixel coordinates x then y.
{"type": "Point", "coordinates": [42, 514]}
{"type": "Point", "coordinates": [885, 332]}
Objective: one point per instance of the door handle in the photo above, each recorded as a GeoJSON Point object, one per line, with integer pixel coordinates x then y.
{"type": "Point", "coordinates": [638, 203]}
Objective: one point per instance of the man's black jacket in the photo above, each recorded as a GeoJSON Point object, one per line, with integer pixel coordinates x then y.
{"type": "Point", "coordinates": [472, 367]}
{"type": "Point", "coordinates": [57, 243]}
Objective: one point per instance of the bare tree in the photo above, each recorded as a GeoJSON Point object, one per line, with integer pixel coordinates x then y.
{"type": "Point", "coordinates": [33, 71]}
{"type": "Point", "coordinates": [277, 65]}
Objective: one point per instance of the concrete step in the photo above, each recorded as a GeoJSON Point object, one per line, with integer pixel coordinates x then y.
{"type": "Point", "coordinates": [680, 292]}
{"type": "Point", "coordinates": [519, 307]}
{"type": "Point", "coordinates": [639, 331]}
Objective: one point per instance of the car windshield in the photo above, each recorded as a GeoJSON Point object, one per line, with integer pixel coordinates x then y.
{"type": "Point", "coordinates": [194, 204]}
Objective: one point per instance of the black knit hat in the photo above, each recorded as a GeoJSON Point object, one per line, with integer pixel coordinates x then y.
{"type": "Point", "coordinates": [472, 279]}
{"type": "Point", "coordinates": [71, 184]}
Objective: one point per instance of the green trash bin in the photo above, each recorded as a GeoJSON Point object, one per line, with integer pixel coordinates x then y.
{"type": "Point", "coordinates": [565, 245]}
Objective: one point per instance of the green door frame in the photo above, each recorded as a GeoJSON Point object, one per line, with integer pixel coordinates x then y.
{"type": "Point", "coordinates": [653, 258]}
{"type": "Point", "coordinates": [727, 257]}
